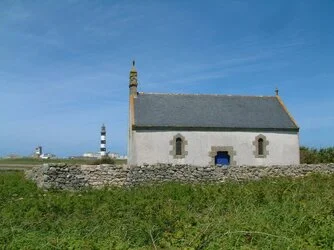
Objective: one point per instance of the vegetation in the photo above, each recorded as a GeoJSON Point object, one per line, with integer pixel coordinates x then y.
{"type": "Point", "coordinates": [104, 160]}
{"type": "Point", "coordinates": [35, 161]}
{"type": "Point", "coordinates": [269, 214]}
{"type": "Point", "coordinates": [313, 156]}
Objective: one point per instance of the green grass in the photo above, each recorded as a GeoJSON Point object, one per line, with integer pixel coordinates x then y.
{"type": "Point", "coordinates": [269, 214]}
{"type": "Point", "coordinates": [36, 161]}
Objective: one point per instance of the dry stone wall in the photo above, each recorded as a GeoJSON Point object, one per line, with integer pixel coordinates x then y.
{"type": "Point", "coordinates": [74, 177]}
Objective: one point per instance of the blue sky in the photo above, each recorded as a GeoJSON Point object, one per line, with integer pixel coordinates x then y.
{"type": "Point", "coordinates": [64, 65]}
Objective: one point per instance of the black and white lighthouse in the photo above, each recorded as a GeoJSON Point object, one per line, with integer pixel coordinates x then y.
{"type": "Point", "coordinates": [103, 142]}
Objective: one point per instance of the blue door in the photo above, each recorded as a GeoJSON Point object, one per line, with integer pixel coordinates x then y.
{"type": "Point", "coordinates": [222, 158]}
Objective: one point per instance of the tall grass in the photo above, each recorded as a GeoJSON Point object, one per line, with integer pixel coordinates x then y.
{"type": "Point", "coordinates": [268, 214]}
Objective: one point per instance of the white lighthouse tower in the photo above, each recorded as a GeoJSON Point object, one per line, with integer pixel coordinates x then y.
{"type": "Point", "coordinates": [103, 151]}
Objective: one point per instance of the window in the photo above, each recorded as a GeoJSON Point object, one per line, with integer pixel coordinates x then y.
{"type": "Point", "coordinates": [178, 144]}
{"type": "Point", "coordinates": [260, 146]}
{"type": "Point", "coordinates": [178, 148]}
{"type": "Point", "coordinates": [260, 143]}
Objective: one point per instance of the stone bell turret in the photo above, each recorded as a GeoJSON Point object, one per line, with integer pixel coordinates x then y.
{"type": "Point", "coordinates": [133, 83]}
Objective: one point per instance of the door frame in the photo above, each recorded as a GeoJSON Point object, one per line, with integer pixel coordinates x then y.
{"type": "Point", "coordinates": [229, 149]}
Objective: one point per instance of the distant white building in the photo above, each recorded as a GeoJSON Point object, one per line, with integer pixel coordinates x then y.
{"type": "Point", "coordinates": [109, 154]}
{"type": "Point", "coordinates": [48, 156]}
{"type": "Point", "coordinates": [123, 157]}
{"type": "Point", "coordinates": [91, 155]}
{"type": "Point", "coordinates": [113, 155]}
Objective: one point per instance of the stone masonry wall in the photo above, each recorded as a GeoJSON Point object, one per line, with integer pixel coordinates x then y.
{"type": "Point", "coordinates": [73, 177]}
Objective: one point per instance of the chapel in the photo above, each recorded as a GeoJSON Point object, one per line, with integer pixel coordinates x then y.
{"type": "Point", "coordinates": [202, 129]}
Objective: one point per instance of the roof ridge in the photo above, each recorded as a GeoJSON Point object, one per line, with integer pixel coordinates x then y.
{"type": "Point", "coordinates": [188, 94]}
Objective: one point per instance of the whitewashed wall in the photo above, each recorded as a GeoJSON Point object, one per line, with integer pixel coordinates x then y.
{"type": "Point", "coordinates": [154, 147]}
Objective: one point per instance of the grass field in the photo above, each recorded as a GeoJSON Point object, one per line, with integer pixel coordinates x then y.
{"type": "Point", "coordinates": [268, 214]}
{"type": "Point", "coordinates": [36, 161]}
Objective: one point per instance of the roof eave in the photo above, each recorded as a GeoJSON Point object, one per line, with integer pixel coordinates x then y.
{"type": "Point", "coordinates": [187, 128]}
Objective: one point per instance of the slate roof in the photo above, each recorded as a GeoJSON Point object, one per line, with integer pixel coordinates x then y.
{"type": "Point", "coordinates": [211, 111]}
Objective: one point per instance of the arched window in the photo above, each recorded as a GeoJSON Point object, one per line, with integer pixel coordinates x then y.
{"type": "Point", "coordinates": [260, 146]}
{"type": "Point", "coordinates": [178, 146]}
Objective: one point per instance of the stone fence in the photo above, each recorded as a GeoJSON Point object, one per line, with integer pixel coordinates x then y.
{"type": "Point", "coordinates": [73, 177]}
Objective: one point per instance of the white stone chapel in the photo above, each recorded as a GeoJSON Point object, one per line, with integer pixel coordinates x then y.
{"type": "Point", "coordinates": [204, 130]}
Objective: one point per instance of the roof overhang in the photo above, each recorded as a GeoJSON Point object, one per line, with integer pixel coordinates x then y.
{"type": "Point", "coordinates": [181, 128]}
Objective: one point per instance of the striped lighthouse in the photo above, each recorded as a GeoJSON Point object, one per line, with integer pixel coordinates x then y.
{"type": "Point", "coordinates": [103, 142]}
